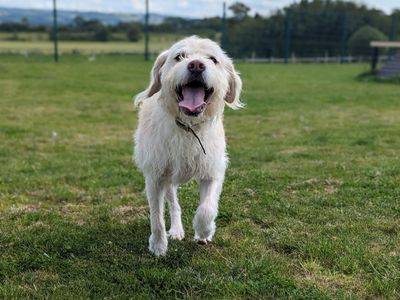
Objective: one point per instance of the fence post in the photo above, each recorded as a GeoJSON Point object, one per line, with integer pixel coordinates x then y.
{"type": "Point", "coordinates": [374, 61]}
{"type": "Point", "coordinates": [343, 46]}
{"type": "Point", "coordinates": [146, 32]}
{"type": "Point", "coordinates": [223, 26]}
{"type": "Point", "coordinates": [55, 31]}
{"type": "Point", "coordinates": [393, 33]}
{"type": "Point", "coordinates": [393, 29]}
{"type": "Point", "coordinates": [288, 31]}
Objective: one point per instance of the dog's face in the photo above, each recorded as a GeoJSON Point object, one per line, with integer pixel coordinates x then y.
{"type": "Point", "coordinates": [195, 77]}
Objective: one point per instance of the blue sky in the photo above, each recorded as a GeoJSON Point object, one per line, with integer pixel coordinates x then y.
{"type": "Point", "coordinates": [189, 8]}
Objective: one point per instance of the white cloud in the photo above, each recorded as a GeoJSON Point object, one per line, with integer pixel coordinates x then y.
{"type": "Point", "coordinates": [138, 5]}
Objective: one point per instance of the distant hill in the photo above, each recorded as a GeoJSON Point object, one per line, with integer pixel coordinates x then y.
{"type": "Point", "coordinates": [45, 17]}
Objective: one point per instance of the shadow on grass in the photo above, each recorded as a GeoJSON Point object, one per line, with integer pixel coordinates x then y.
{"type": "Point", "coordinates": [46, 255]}
{"type": "Point", "coordinates": [373, 77]}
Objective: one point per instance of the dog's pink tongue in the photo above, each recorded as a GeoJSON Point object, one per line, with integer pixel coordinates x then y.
{"type": "Point", "coordinates": [193, 98]}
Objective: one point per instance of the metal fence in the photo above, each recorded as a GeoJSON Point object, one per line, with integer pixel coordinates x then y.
{"type": "Point", "coordinates": [301, 36]}
{"type": "Point", "coordinates": [288, 35]}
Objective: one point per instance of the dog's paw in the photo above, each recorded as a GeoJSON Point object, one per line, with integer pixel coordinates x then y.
{"type": "Point", "coordinates": [176, 234]}
{"type": "Point", "coordinates": [202, 241]}
{"type": "Point", "coordinates": [203, 232]}
{"type": "Point", "coordinates": [158, 246]}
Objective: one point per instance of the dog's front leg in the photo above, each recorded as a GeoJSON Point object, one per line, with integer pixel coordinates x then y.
{"type": "Point", "coordinates": [155, 190]}
{"type": "Point", "coordinates": [204, 220]}
{"type": "Point", "coordinates": [176, 231]}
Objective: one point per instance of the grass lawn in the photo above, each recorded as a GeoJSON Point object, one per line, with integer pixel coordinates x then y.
{"type": "Point", "coordinates": [310, 207]}
{"type": "Point", "coordinates": [158, 42]}
{"type": "Point", "coordinates": [25, 36]}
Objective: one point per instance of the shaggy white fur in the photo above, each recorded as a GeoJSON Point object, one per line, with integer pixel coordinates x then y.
{"type": "Point", "coordinates": [194, 71]}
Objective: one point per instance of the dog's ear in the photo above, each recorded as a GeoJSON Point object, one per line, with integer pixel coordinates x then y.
{"type": "Point", "coordinates": [232, 97]}
{"type": "Point", "coordinates": [155, 79]}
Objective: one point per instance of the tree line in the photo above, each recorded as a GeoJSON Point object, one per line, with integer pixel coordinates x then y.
{"type": "Point", "coordinates": [80, 29]}
{"type": "Point", "coordinates": [307, 28]}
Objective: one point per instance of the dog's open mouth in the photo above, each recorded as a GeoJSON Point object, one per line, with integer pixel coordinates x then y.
{"type": "Point", "coordinates": [193, 97]}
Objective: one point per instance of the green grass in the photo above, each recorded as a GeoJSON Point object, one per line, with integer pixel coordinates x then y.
{"type": "Point", "coordinates": [310, 207]}
{"type": "Point", "coordinates": [24, 36]}
{"type": "Point", "coordinates": [158, 42]}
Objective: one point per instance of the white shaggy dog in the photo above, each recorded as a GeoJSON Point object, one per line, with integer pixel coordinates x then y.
{"type": "Point", "coordinates": [180, 134]}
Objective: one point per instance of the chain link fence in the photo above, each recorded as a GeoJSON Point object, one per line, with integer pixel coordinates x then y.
{"type": "Point", "coordinates": [293, 35]}
{"type": "Point", "coordinates": [307, 31]}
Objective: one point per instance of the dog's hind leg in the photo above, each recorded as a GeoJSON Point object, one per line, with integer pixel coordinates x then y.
{"type": "Point", "coordinates": [204, 220]}
{"type": "Point", "coordinates": [176, 231]}
{"type": "Point", "coordinates": [155, 190]}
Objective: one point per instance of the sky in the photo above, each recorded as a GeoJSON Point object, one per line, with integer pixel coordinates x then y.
{"type": "Point", "coordinates": [185, 8]}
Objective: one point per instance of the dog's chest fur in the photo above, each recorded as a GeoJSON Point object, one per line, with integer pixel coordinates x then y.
{"type": "Point", "coordinates": [165, 150]}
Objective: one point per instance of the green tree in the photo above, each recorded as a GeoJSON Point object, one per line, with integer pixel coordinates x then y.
{"type": "Point", "coordinates": [102, 34]}
{"type": "Point", "coordinates": [134, 33]}
{"type": "Point", "coordinates": [359, 40]}
{"type": "Point", "coordinates": [78, 22]}
{"type": "Point", "coordinates": [239, 10]}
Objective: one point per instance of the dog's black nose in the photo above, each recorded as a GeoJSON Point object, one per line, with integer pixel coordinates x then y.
{"type": "Point", "coordinates": [196, 66]}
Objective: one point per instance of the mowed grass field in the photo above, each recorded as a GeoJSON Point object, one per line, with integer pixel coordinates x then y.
{"type": "Point", "coordinates": [38, 45]}
{"type": "Point", "coordinates": [310, 207]}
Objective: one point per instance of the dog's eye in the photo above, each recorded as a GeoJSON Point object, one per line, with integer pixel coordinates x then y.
{"type": "Point", "coordinates": [180, 56]}
{"type": "Point", "coordinates": [215, 61]}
